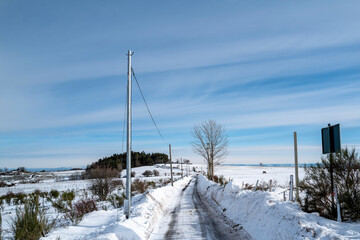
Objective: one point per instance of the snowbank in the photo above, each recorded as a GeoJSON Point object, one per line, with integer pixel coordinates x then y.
{"type": "Point", "coordinates": [265, 216]}
{"type": "Point", "coordinates": [146, 210]}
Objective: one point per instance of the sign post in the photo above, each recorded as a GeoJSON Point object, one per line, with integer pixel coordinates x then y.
{"type": "Point", "coordinates": [330, 144]}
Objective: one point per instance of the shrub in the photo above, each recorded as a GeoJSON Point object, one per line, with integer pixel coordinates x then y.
{"type": "Point", "coordinates": [81, 208]}
{"type": "Point", "coordinates": [216, 179]}
{"type": "Point", "coordinates": [133, 174]}
{"type": "Point", "coordinates": [221, 180]}
{"type": "Point", "coordinates": [8, 196]}
{"type": "Point", "coordinates": [19, 198]}
{"type": "Point", "coordinates": [68, 196]}
{"type": "Point", "coordinates": [0, 225]}
{"type": "Point", "coordinates": [147, 173]}
{"type": "Point", "coordinates": [248, 186]}
{"type": "Point", "coordinates": [102, 183]}
{"type": "Point", "coordinates": [139, 186]}
{"type": "Point", "coordinates": [58, 204]}
{"type": "Point", "coordinates": [265, 186]}
{"type": "Point", "coordinates": [317, 185]}
{"type": "Point", "coordinates": [116, 200]}
{"type": "Point", "coordinates": [54, 193]}
{"type": "Point", "coordinates": [118, 183]}
{"type": "Point", "coordinates": [30, 222]}
{"type": "Point", "coordinates": [156, 172]}
{"type": "Point", "coordinates": [2, 207]}
{"type": "Point", "coordinates": [40, 193]}
{"type": "Point", "coordinates": [151, 184]}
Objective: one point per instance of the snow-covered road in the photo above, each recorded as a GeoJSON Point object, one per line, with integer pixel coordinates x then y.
{"type": "Point", "coordinates": [191, 218]}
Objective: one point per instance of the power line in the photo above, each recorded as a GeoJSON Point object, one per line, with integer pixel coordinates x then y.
{"type": "Point", "coordinates": [142, 95]}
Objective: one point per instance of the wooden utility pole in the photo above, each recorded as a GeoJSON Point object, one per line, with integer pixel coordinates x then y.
{"type": "Point", "coordinates": [296, 168]}
{"type": "Point", "coordinates": [172, 183]}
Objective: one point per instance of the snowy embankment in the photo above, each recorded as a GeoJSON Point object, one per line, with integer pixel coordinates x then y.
{"type": "Point", "coordinates": [147, 209]}
{"type": "Point", "coordinates": [265, 216]}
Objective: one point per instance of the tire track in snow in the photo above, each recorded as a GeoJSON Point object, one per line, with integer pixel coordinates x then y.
{"type": "Point", "coordinates": [193, 219]}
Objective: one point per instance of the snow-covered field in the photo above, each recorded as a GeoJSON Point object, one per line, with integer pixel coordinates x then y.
{"type": "Point", "coordinates": [250, 174]}
{"type": "Point", "coordinates": [80, 187]}
{"type": "Point", "coordinates": [264, 215]}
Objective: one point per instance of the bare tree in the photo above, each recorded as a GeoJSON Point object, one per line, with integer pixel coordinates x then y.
{"type": "Point", "coordinates": [211, 142]}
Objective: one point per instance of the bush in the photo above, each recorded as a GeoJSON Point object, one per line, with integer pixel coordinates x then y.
{"type": "Point", "coordinates": [221, 180]}
{"type": "Point", "coordinates": [156, 172]}
{"type": "Point", "coordinates": [147, 173]}
{"type": "Point", "coordinates": [216, 179]}
{"type": "Point", "coordinates": [133, 174]}
{"type": "Point", "coordinates": [54, 193]}
{"type": "Point", "coordinates": [265, 186]}
{"type": "Point", "coordinates": [0, 225]}
{"type": "Point", "coordinates": [80, 209]}
{"type": "Point", "coordinates": [39, 193]}
{"type": "Point", "coordinates": [19, 198]}
{"type": "Point", "coordinates": [139, 186]}
{"type": "Point", "coordinates": [118, 183]}
{"type": "Point", "coordinates": [116, 200]}
{"type": "Point", "coordinates": [248, 186]}
{"type": "Point", "coordinates": [30, 222]}
{"type": "Point", "coordinates": [102, 183]}
{"type": "Point", "coordinates": [68, 196]}
{"type": "Point", "coordinates": [151, 184]}
{"type": "Point", "coordinates": [317, 185]}
{"type": "Point", "coordinates": [58, 204]}
{"type": "Point", "coordinates": [8, 196]}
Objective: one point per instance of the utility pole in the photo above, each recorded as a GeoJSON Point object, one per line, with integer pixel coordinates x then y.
{"type": "Point", "coordinates": [172, 183]}
{"type": "Point", "coordinates": [182, 174]}
{"type": "Point", "coordinates": [296, 168]}
{"type": "Point", "coordinates": [209, 162]}
{"type": "Point", "coordinates": [127, 205]}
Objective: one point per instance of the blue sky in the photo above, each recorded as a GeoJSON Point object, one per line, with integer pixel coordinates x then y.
{"type": "Point", "coordinates": [262, 69]}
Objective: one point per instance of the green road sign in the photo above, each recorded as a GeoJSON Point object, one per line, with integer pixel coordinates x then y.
{"type": "Point", "coordinates": [331, 139]}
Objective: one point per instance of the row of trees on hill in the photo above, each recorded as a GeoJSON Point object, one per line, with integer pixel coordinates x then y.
{"type": "Point", "coordinates": [138, 159]}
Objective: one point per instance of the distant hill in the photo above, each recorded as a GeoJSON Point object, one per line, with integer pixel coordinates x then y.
{"type": "Point", "coordinates": [138, 159]}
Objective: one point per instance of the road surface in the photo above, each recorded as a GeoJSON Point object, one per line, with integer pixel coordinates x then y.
{"type": "Point", "coordinates": [192, 218]}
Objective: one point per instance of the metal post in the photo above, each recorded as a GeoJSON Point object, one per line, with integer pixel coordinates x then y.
{"type": "Point", "coordinates": [182, 173]}
{"type": "Point", "coordinates": [291, 188]}
{"type": "Point", "coordinates": [257, 182]}
{"type": "Point", "coordinates": [171, 170]}
{"type": "Point", "coordinates": [296, 168]}
{"type": "Point", "coordinates": [332, 185]}
{"type": "Point", "coordinates": [127, 206]}
{"type": "Point", "coordinates": [337, 205]}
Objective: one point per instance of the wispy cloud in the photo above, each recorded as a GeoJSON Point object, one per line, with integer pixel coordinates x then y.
{"type": "Point", "coordinates": [263, 70]}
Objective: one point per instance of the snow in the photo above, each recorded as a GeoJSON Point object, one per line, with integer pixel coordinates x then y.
{"type": "Point", "coordinates": [46, 186]}
{"type": "Point", "coordinates": [265, 216]}
{"type": "Point", "coordinates": [250, 174]}
{"type": "Point", "coordinates": [163, 169]}
{"type": "Point", "coordinates": [147, 209]}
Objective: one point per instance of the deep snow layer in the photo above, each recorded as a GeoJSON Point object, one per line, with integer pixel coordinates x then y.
{"type": "Point", "coordinates": [265, 216]}
{"type": "Point", "coordinates": [112, 225]}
